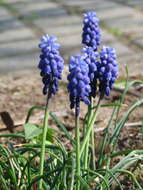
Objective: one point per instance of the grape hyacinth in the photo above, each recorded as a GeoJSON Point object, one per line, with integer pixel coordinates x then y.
{"type": "Point", "coordinates": [91, 32]}
{"type": "Point", "coordinates": [91, 58]}
{"type": "Point", "coordinates": [51, 64]}
{"type": "Point", "coordinates": [107, 70]}
{"type": "Point", "coordinates": [79, 82]}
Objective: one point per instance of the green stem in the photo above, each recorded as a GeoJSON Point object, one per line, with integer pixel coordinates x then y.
{"type": "Point", "coordinates": [93, 119]}
{"type": "Point", "coordinates": [72, 175]}
{"type": "Point", "coordinates": [86, 155]}
{"type": "Point", "coordinates": [92, 139]}
{"type": "Point", "coordinates": [77, 136]}
{"type": "Point", "coordinates": [93, 148]}
{"type": "Point", "coordinates": [90, 113]}
{"type": "Point", "coordinates": [45, 127]}
{"type": "Point", "coordinates": [87, 144]}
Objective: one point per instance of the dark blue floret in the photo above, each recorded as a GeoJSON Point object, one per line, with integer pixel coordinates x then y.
{"type": "Point", "coordinates": [91, 58]}
{"type": "Point", "coordinates": [91, 32]}
{"type": "Point", "coordinates": [79, 82]}
{"type": "Point", "coordinates": [107, 70]}
{"type": "Point", "coordinates": [51, 64]}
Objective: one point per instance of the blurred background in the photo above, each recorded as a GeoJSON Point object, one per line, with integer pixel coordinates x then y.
{"type": "Point", "coordinates": [23, 22]}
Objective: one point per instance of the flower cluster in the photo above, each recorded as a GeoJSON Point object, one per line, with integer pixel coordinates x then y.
{"type": "Point", "coordinates": [91, 32]}
{"type": "Point", "coordinates": [51, 64]}
{"type": "Point", "coordinates": [107, 70]}
{"type": "Point", "coordinates": [101, 69]}
{"type": "Point", "coordinates": [89, 72]}
{"type": "Point", "coordinates": [79, 81]}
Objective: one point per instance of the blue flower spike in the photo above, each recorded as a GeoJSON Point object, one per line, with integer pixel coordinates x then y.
{"type": "Point", "coordinates": [51, 64]}
{"type": "Point", "coordinates": [91, 58]}
{"type": "Point", "coordinates": [107, 70]}
{"type": "Point", "coordinates": [91, 35]}
{"type": "Point", "coordinates": [79, 82]}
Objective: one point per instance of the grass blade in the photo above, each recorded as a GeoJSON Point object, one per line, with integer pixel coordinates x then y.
{"type": "Point", "coordinates": [62, 127]}
{"type": "Point", "coordinates": [121, 123]}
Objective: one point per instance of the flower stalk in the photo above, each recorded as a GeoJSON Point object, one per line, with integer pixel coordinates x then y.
{"type": "Point", "coordinates": [91, 123]}
{"type": "Point", "coordinates": [77, 137]}
{"type": "Point", "coordinates": [89, 115]}
{"type": "Point", "coordinates": [92, 139]}
{"type": "Point", "coordinates": [42, 157]}
{"type": "Point", "coordinates": [51, 66]}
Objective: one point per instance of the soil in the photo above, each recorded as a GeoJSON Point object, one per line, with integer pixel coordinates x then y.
{"type": "Point", "coordinates": [21, 90]}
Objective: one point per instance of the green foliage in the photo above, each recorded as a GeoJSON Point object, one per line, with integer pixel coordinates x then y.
{"type": "Point", "coordinates": [31, 130]}
{"type": "Point", "coordinates": [19, 160]}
